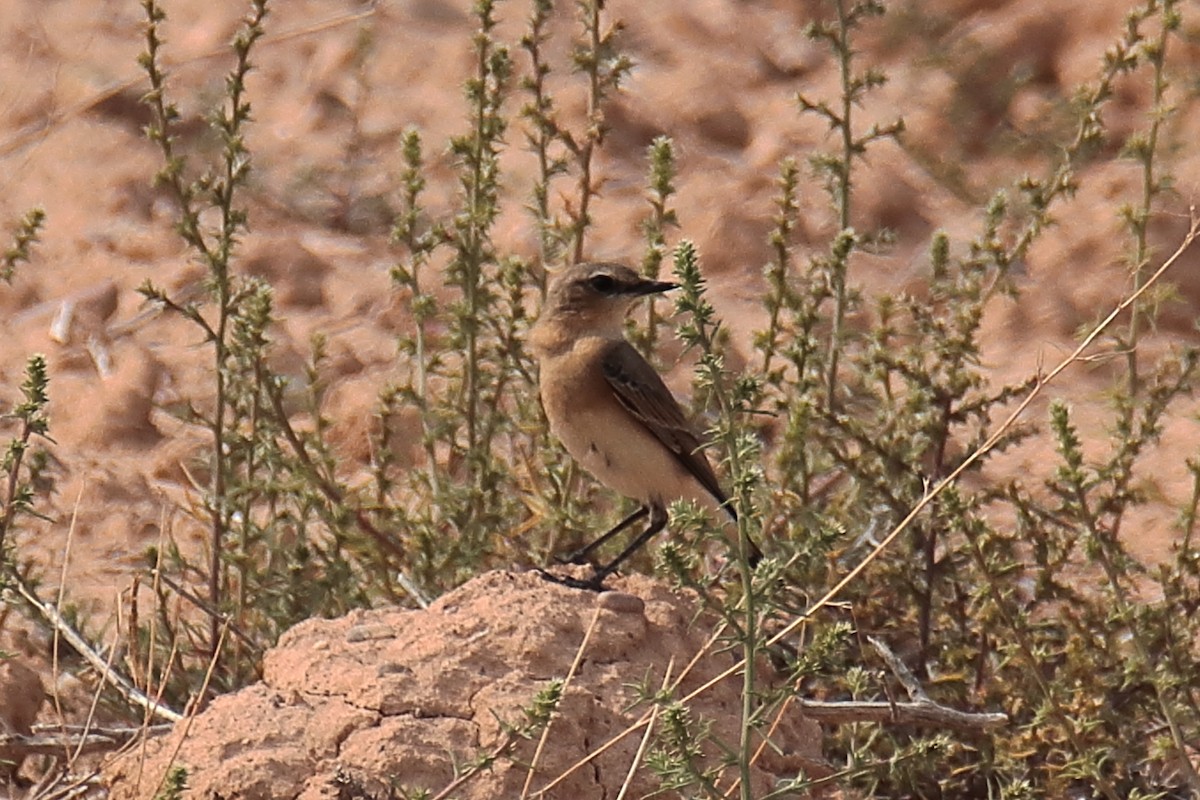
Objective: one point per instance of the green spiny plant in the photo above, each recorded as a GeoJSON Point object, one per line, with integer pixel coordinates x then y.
{"type": "Point", "coordinates": [27, 234]}
{"type": "Point", "coordinates": [1143, 147]}
{"type": "Point", "coordinates": [459, 381]}
{"type": "Point", "coordinates": [487, 459]}
{"type": "Point", "coordinates": [836, 168]}
{"type": "Point", "coordinates": [742, 452]}
{"type": "Point", "coordinates": [605, 66]}
{"type": "Point", "coordinates": [285, 539]}
{"type": "Point", "coordinates": [23, 462]}
{"type": "Point", "coordinates": [216, 189]}
{"type": "Point", "coordinates": [174, 784]}
{"type": "Point", "coordinates": [661, 155]}
{"type": "Point", "coordinates": [911, 387]}
{"type": "Point", "coordinates": [544, 140]}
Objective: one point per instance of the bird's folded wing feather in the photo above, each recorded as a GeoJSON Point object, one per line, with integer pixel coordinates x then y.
{"type": "Point", "coordinates": [638, 387]}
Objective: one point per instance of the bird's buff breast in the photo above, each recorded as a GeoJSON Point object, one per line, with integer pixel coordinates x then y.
{"type": "Point", "coordinates": [599, 433]}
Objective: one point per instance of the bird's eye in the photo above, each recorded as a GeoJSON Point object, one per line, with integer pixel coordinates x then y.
{"type": "Point", "coordinates": [603, 283]}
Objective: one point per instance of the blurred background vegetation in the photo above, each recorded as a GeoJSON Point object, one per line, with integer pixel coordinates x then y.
{"type": "Point", "coordinates": [855, 405]}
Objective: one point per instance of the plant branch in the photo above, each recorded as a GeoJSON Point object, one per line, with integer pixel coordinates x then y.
{"type": "Point", "coordinates": [54, 740]}
{"type": "Point", "coordinates": [131, 693]}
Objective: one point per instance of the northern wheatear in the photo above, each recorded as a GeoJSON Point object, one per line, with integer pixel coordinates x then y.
{"type": "Point", "coordinates": [610, 408]}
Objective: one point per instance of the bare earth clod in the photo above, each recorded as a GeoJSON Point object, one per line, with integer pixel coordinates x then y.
{"type": "Point", "coordinates": [400, 697]}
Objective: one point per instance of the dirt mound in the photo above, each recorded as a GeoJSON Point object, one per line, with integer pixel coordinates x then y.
{"type": "Point", "coordinates": [399, 698]}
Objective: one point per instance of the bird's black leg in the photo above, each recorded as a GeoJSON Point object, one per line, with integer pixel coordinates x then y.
{"type": "Point", "coordinates": [658, 521]}
{"type": "Point", "coordinates": [580, 556]}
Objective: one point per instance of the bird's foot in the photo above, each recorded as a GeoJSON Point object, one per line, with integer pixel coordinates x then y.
{"type": "Point", "coordinates": [592, 584]}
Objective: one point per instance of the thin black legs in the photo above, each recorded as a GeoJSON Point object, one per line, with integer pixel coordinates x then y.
{"type": "Point", "coordinates": [580, 556]}
{"type": "Point", "coordinates": [658, 521]}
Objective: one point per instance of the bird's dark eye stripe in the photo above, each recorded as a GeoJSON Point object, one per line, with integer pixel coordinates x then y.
{"type": "Point", "coordinates": [603, 283]}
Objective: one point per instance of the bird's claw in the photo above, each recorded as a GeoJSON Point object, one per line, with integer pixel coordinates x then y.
{"type": "Point", "coordinates": [592, 584]}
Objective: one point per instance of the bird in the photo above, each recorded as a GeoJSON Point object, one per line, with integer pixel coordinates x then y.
{"type": "Point", "coordinates": [610, 408]}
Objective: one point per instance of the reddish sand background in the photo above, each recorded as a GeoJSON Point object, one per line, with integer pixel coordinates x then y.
{"type": "Point", "coordinates": [978, 83]}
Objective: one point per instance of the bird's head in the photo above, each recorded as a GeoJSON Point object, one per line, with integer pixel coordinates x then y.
{"type": "Point", "coordinates": [595, 297]}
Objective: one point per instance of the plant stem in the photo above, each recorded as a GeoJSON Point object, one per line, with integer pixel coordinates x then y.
{"type": "Point", "coordinates": [838, 266]}
{"type": "Point", "coordinates": [595, 121]}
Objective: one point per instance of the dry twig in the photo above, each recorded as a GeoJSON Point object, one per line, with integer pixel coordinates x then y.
{"type": "Point", "coordinates": [110, 675]}
{"type": "Point", "coordinates": [54, 740]}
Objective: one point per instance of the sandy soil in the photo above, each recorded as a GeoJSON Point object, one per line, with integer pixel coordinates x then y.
{"type": "Point", "coordinates": [977, 82]}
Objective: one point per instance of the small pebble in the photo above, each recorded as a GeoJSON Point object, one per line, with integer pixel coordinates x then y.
{"type": "Point", "coordinates": [621, 602]}
{"type": "Point", "coordinates": [392, 668]}
{"type": "Point", "coordinates": [370, 632]}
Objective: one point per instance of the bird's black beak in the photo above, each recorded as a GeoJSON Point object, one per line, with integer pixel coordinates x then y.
{"type": "Point", "coordinates": [650, 287]}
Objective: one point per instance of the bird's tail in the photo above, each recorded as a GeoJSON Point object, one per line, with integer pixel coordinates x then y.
{"type": "Point", "coordinates": [756, 553]}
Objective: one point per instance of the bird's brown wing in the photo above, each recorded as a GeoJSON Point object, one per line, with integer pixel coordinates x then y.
{"type": "Point", "coordinates": [638, 387]}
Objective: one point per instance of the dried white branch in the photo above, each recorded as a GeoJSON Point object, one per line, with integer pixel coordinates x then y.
{"type": "Point", "coordinates": [54, 740]}
{"type": "Point", "coordinates": [115, 679]}
{"type": "Point", "coordinates": [921, 712]}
